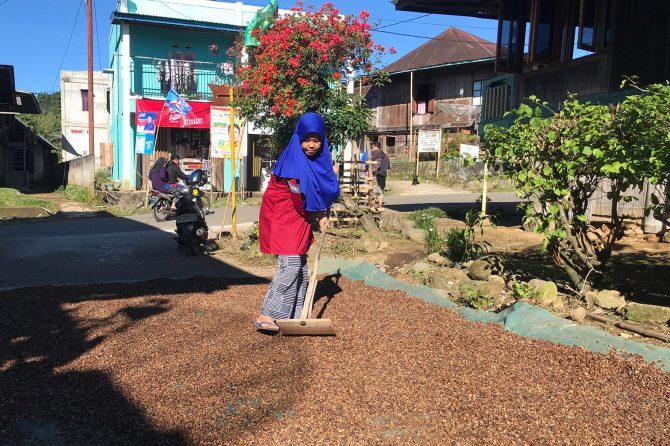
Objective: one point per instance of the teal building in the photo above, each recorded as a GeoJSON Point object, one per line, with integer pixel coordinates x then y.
{"type": "Point", "coordinates": [155, 46]}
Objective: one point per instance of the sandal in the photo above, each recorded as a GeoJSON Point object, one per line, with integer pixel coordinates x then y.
{"type": "Point", "coordinates": [266, 327]}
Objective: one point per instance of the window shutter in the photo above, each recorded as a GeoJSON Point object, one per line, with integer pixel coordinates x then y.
{"type": "Point", "coordinates": [431, 98]}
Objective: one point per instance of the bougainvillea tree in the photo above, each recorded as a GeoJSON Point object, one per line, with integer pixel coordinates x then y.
{"type": "Point", "coordinates": [302, 64]}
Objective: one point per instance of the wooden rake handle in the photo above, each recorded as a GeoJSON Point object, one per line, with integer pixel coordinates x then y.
{"type": "Point", "coordinates": [311, 286]}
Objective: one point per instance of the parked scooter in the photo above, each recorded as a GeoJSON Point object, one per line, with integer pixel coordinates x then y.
{"type": "Point", "coordinates": [192, 230]}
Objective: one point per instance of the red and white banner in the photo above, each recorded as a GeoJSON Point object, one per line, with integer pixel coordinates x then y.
{"type": "Point", "coordinates": [198, 117]}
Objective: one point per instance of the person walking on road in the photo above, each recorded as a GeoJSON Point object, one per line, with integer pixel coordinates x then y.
{"type": "Point", "coordinates": [380, 171]}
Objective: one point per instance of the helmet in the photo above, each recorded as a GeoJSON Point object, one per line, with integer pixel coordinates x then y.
{"type": "Point", "coordinates": [198, 177]}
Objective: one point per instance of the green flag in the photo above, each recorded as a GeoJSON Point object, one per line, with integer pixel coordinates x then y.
{"type": "Point", "coordinates": [261, 21]}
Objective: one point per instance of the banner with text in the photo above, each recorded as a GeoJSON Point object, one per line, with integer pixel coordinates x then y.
{"type": "Point", "coordinates": [146, 132]}
{"type": "Point", "coordinates": [220, 133]}
{"type": "Point", "coordinates": [197, 117]}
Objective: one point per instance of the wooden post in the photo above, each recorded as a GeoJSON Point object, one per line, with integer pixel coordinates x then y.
{"type": "Point", "coordinates": [415, 180]}
{"type": "Point", "coordinates": [486, 172]}
{"type": "Point", "coordinates": [233, 230]}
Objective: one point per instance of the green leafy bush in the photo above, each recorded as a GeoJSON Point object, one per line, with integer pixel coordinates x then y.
{"type": "Point", "coordinates": [475, 298]}
{"type": "Point", "coordinates": [523, 292]}
{"type": "Point", "coordinates": [103, 176]}
{"type": "Point", "coordinates": [460, 244]}
{"type": "Point", "coordinates": [74, 192]}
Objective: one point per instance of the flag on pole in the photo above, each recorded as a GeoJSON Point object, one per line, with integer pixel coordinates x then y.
{"type": "Point", "coordinates": [176, 103]}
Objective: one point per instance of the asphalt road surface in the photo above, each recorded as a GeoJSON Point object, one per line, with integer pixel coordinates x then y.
{"type": "Point", "coordinates": [118, 249]}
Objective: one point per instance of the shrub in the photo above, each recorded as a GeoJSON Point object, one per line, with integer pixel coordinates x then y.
{"type": "Point", "coordinates": [77, 193]}
{"type": "Point", "coordinates": [460, 244]}
{"type": "Point", "coordinates": [475, 298]}
{"type": "Point", "coordinates": [102, 177]}
{"type": "Point", "coordinates": [523, 292]}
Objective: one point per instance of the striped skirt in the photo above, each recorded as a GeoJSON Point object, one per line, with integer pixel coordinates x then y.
{"type": "Point", "coordinates": [286, 295]}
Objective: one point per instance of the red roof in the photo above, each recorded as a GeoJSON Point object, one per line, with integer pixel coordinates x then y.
{"type": "Point", "coordinates": [453, 45]}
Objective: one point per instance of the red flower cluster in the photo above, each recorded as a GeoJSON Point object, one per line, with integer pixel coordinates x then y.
{"type": "Point", "coordinates": [300, 57]}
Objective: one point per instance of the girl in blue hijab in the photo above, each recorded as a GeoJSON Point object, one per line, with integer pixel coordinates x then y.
{"type": "Point", "coordinates": [302, 189]}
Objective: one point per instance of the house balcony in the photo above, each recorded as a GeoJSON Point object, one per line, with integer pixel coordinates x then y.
{"type": "Point", "coordinates": [585, 77]}
{"type": "Point", "coordinates": [153, 77]}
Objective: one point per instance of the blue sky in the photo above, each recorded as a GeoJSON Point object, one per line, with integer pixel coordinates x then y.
{"type": "Point", "coordinates": [35, 33]}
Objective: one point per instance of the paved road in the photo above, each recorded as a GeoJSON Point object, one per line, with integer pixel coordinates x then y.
{"type": "Point", "coordinates": [105, 249]}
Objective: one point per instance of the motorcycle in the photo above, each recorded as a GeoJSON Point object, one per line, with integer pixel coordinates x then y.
{"type": "Point", "coordinates": [160, 202]}
{"type": "Point", "coordinates": [192, 230]}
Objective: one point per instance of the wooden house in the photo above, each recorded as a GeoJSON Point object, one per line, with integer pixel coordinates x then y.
{"type": "Point", "coordinates": [436, 86]}
{"type": "Point", "coordinates": [537, 43]}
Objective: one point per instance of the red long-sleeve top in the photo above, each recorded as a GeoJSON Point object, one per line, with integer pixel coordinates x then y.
{"type": "Point", "coordinates": [283, 224]}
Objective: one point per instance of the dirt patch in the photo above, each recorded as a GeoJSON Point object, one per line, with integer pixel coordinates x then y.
{"type": "Point", "coordinates": [124, 364]}
{"type": "Point", "coordinates": [400, 188]}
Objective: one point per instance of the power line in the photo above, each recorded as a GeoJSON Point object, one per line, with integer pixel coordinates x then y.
{"type": "Point", "coordinates": [446, 25]}
{"type": "Point", "coordinates": [68, 44]}
{"type": "Point", "coordinates": [403, 21]}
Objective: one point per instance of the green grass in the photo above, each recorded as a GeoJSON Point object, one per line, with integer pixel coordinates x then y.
{"type": "Point", "coordinates": [252, 201]}
{"type": "Point", "coordinates": [11, 198]}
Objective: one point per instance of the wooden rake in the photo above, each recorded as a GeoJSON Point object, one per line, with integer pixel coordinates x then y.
{"type": "Point", "coordinates": [305, 326]}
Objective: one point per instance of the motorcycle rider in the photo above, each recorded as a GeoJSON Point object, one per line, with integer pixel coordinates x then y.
{"type": "Point", "coordinates": [175, 174]}
{"type": "Point", "coordinates": [158, 176]}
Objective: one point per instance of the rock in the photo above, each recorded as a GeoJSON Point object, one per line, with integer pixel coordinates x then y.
{"type": "Point", "coordinates": [436, 257]}
{"type": "Point", "coordinates": [546, 293]}
{"type": "Point", "coordinates": [389, 220]}
{"type": "Point", "coordinates": [485, 266]}
{"type": "Point", "coordinates": [489, 289]}
{"type": "Point", "coordinates": [416, 235]}
{"type": "Point", "coordinates": [446, 278]}
{"type": "Point", "coordinates": [370, 244]}
{"type": "Point", "coordinates": [647, 313]}
{"type": "Point", "coordinates": [421, 267]}
{"type": "Point", "coordinates": [610, 300]}
{"type": "Point", "coordinates": [497, 279]}
{"type": "Point", "coordinates": [578, 314]}
{"type": "Point", "coordinates": [666, 237]}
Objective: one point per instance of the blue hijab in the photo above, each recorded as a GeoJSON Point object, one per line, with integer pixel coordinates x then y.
{"type": "Point", "coordinates": [318, 182]}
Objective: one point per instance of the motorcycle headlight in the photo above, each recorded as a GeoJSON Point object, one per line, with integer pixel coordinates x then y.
{"type": "Point", "coordinates": [195, 192]}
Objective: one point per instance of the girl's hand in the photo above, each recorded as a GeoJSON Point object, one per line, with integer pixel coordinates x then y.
{"type": "Point", "coordinates": [324, 223]}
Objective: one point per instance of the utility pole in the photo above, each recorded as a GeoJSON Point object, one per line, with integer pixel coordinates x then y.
{"type": "Point", "coordinates": [91, 121]}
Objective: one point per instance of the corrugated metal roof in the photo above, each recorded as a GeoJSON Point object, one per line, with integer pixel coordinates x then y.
{"type": "Point", "coordinates": [451, 47]}
{"type": "Point", "coordinates": [128, 17]}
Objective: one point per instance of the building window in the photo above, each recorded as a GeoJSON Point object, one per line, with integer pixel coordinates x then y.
{"type": "Point", "coordinates": [424, 101]}
{"type": "Point", "coordinates": [511, 36]}
{"type": "Point", "coordinates": [84, 100]}
{"type": "Point", "coordinates": [182, 72]}
{"type": "Point", "coordinates": [477, 93]}
{"type": "Point", "coordinates": [588, 25]}
{"type": "Point", "coordinates": [390, 141]}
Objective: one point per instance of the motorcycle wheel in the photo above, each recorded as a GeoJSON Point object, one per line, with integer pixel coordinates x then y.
{"type": "Point", "coordinates": [161, 210]}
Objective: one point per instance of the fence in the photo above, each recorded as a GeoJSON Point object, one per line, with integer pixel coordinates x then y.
{"type": "Point", "coordinates": [451, 171]}
{"type": "Point", "coordinates": [601, 206]}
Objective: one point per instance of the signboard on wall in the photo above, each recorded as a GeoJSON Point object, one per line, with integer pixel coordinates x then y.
{"type": "Point", "coordinates": [430, 141]}
{"type": "Point", "coordinates": [146, 133]}
{"type": "Point", "coordinates": [197, 117]}
{"type": "Point", "coordinates": [220, 133]}
{"type": "Point", "coordinates": [469, 150]}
